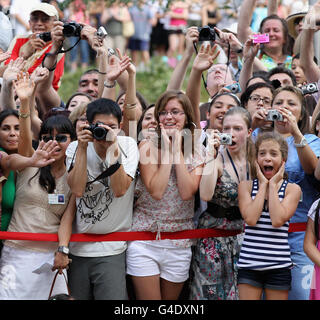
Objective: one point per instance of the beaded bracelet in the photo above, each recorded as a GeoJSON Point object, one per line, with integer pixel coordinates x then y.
{"type": "Point", "coordinates": [24, 115]}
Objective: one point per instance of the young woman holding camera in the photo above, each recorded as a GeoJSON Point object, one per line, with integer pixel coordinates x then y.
{"type": "Point", "coordinates": [214, 273]}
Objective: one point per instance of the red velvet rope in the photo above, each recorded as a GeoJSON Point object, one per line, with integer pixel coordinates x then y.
{"type": "Point", "coordinates": [137, 235]}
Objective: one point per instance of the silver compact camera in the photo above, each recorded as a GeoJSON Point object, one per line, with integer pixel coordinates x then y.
{"type": "Point", "coordinates": [225, 138]}
{"type": "Point", "coordinates": [234, 88]}
{"type": "Point", "coordinates": [274, 115]}
{"type": "Point", "coordinates": [102, 33]}
{"type": "Point", "coordinates": [310, 88]}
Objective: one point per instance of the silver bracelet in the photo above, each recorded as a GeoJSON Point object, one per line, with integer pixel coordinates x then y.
{"type": "Point", "coordinates": [109, 86]}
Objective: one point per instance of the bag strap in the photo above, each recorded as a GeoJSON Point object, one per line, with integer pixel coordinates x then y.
{"type": "Point", "coordinates": [54, 281]}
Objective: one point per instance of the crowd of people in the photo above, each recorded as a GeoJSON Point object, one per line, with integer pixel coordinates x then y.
{"type": "Point", "coordinates": [243, 165]}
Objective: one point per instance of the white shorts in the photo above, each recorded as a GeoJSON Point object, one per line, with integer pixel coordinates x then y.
{"type": "Point", "coordinates": [144, 259]}
{"type": "Point", "coordinates": [18, 282]}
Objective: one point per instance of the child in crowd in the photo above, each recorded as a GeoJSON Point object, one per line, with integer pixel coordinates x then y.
{"type": "Point", "coordinates": [267, 203]}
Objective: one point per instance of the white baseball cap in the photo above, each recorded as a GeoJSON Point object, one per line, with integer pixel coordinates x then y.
{"type": "Point", "coordinates": [46, 8]}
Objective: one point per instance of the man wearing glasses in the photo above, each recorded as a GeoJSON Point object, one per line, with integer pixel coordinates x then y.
{"type": "Point", "coordinates": [32, 48]}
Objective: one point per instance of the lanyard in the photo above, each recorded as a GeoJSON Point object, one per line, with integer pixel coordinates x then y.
{"type": "Point", "coordinates": [234, 167]}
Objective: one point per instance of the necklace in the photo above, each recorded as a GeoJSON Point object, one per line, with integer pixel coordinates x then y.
{"type": "Point", "coordinates": [235, 169]}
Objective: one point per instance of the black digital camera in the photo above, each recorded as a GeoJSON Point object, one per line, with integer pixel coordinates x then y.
{"type": "Point", "coordinates": [99, 133]}
{"type": "Point", "coordinates": [310, 88]}
{"type": "Point", "coordinates": [70, 29]}
{"type": "Point", "coordinates": [206, 34]}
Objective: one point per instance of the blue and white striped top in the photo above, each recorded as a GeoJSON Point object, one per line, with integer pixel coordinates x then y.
{"type": "Point", "coordinates": [264, 246]}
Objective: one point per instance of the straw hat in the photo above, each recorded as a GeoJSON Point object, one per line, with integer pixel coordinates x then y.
{"type": "Point", "coordinates": [232, 28]}
{"type": "Point", "coordinates": [290, 21]}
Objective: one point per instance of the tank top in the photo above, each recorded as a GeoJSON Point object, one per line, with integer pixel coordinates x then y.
{"type": "Point", "coordinates": [265, 247]}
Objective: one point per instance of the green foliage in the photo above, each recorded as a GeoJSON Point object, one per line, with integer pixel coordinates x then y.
{"type": "Point", "coordinates": [150, 84]}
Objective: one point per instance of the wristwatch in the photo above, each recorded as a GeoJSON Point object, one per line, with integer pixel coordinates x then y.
{"type": "Point", "coordinates": [302, 143]}
{"type": "Point", "coordinates": [109, 85]}
{"type": "Point", "coordinates": [63, 249]}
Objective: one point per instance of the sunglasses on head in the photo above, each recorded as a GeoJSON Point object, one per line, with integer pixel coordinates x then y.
{"type": "Point", "coordinates": [59, 138]}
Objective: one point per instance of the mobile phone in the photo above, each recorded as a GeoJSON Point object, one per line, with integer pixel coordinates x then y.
{"type": "Point", "coordinates": [260, 38]}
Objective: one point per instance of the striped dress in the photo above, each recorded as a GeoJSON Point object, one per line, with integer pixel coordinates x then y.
{"type": "Point", "coordinates": [265, 247]}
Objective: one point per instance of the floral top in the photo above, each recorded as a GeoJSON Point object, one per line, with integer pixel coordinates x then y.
{"type": "Point", "coordinates": [270, 64]}
{"type": "Point", "coordinates": [169, 214]}
{"type": "Point", "coordinates": [225, 195]}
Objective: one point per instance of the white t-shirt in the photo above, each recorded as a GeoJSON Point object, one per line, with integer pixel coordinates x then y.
{"type": "Point", "coordinates": [98, 210]}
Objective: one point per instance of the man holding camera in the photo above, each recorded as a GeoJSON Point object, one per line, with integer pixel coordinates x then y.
{"type": "Point", "coordinates": [102, 167]}
{"type": "Point", "coordinates": [32, 48]}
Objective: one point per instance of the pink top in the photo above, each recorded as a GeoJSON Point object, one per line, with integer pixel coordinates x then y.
{"type": "Point", "coordinates": [169, 214]}
{"type": "Point", "coordinates": [178, 22]}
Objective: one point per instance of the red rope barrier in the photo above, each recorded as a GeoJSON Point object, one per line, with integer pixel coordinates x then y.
{"type": "Point", "coordinates": [134, 235]}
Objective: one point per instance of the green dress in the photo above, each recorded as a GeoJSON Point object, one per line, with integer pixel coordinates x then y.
{"type": "Point", "coordinates": [8, 196]}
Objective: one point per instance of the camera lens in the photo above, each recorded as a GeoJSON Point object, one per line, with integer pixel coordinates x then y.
{"type": "Point", "coordinates": [100, 133]}
{"type": "Point", "coordinates": [69, 30]}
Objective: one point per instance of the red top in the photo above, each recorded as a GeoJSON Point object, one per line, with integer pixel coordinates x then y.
{"type": "Point", "coordinates": [16, 46]}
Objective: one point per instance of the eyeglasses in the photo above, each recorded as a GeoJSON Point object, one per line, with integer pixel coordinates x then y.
{"type": "Point", "coordinates": [43, 19]}
{"type": "Point", "coordinates": [174, 113]}
{"type": "Point", "coordinates": [59, 138]}
{"type": "Point", "coordinates": [256, 99]}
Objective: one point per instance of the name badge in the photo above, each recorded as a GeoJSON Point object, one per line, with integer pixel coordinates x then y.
{"type": "Point", "coordinates": [55, 198]}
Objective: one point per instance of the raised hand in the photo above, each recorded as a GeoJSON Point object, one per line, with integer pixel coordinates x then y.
{"type": "Point", "coordinates": [39, 75]}
{"type": "Point", "coordinates": [88, 33]}
{"type": "Point", "coordinates": [192, 37]}
{"type": "Point", "coordinates": [205, 57]}
{"type": "Point", "coordinates": [57, 34]}
{"type": "Point", "coordinates": [13, 68]}
{"type": "Point", "coordinates": [116, 65]}
{"type": "Point", "coordinates": [97, 45]}
{"type": "Point", "coordinates": [226, 39]}
{"type": "Point", "coordinates": [24, 86]}
{"type": "Point", "coordinates": [250, 49]}
{"type": "Point", "coordinates": [43, 155]}
{"type": "Point", "coordinates": [213, 144]}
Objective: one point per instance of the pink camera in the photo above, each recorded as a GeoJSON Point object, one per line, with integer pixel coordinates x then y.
{"type": "Point", "coordinates": [260, 38]}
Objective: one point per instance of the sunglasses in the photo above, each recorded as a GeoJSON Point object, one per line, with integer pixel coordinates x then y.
{"type": "Point", "coordinates": [43, 19]}
{"type": "Point", "coordinates": [59, 138]}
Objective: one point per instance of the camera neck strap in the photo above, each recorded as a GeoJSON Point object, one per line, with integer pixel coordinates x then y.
{"type": "Point", "coordinates": [60, 50]}
{"type": "Point", "coordinates": [107, 173]}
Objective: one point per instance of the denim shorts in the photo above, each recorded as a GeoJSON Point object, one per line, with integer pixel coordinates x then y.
{"type": "Point", "coordinates": [138, 45]}
{"type": "Point", "coordinates": [275, 279]}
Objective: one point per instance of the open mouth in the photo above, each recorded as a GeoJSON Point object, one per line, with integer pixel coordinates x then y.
{"type": "Point", "coordinates": [267, 169]}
